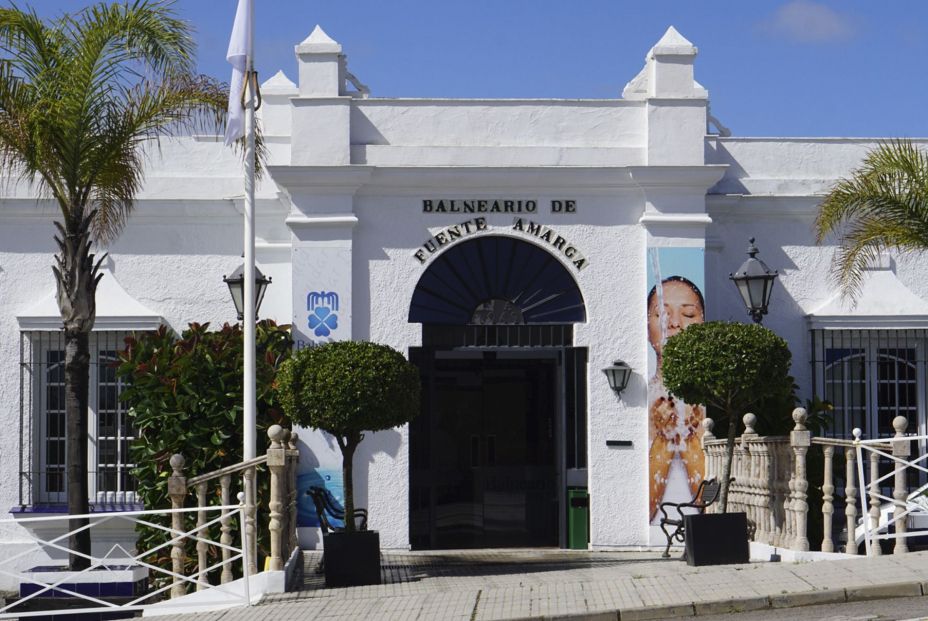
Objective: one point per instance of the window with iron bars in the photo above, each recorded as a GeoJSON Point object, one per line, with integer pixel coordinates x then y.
{"type": "Point", "coordinates": [42, 464]}
{"type": "Point", "coordinates": [870, 377]}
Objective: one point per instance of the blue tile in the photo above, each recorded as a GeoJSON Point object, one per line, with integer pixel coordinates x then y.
{"type": "Point", "coordinates": [88, 588]}
{"type": "Point", "coordinates": [26, 588]}
{"type": "Point", "coordinates": [124, 589]}
{"type": "Point", "coordinates": [109, 589]}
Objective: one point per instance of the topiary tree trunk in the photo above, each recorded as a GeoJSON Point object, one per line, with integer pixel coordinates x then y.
{"type": "Point", "coordinates": [348, 445]}
{"type": "Point", "coordinates": [726, 466]}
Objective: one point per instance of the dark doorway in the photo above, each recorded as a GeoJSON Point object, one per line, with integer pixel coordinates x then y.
{"type": "Point", "coordinates": [483, 469]}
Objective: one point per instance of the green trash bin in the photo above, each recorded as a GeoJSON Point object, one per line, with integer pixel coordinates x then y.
{"type": "Point", "coordinates": [578, 518]}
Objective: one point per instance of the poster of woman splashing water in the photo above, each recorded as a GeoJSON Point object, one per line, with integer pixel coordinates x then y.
{"type": "Point", "coordinates": [676, 278]}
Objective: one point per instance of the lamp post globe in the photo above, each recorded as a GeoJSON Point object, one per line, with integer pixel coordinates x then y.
{"type": "Point", "coordinates": [754, 281]}
{"type": "Point", "coordinates": [236, 283]}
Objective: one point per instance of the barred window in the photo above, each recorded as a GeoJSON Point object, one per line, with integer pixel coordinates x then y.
{"type": "Point", "coordinates": [43, 479]}
{"type": "Point", "coordinates": [871, 377]}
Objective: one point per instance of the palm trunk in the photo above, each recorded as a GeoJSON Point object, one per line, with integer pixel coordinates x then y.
{"type": "Point", "coordinates": [76, 277]}
{"type": "Point", "coordinates": [726, 466]}
{"type": "Point", "coordinates": [348, 450]}
{"type": "Point", "coordinates": [77, 372]}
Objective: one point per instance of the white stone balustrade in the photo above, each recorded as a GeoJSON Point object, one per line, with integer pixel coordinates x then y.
{"type": "Point", "coordinates": [771, 483]}
{"type": "Point", "coordinates": [281, 459]}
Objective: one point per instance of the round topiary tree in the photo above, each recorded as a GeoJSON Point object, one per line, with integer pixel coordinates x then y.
{"type": "Point", "coordinates": [346, 388]}
{"type": "Point", "coordinates": [730, 367]}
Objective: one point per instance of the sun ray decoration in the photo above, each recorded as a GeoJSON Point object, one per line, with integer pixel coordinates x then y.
{"type": "Point", "coordinates": [496, 280]}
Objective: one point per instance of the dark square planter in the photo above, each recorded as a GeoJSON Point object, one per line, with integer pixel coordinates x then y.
{"type": "Point", "coordinates": [351, 559]}
{"type": "Point", "coordinates": [716, 539]}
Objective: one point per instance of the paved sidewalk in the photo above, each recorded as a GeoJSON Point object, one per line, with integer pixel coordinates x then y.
{"type": "Point", "coordinates": [520, 584]}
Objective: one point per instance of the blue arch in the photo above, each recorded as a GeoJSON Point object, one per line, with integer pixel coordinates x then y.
{"type": "Point", "coordinates": [495, 267]}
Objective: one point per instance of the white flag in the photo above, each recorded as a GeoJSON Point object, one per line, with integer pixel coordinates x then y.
{"type": "Point", "coordinates": [237, 56]}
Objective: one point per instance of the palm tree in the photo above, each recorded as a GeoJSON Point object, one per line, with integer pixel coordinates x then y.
{"type": "Point", "coordinates": [80, 95]}
{"type": "Point", "coordinates": [882, 205]}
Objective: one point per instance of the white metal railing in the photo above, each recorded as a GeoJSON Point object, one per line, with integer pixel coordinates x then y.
{"type": "Point", "coordinates": [909, 510]}
{"type": "Point", "coordinates": [118, 556]}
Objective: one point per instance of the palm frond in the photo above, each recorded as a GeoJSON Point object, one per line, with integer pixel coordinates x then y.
{"type": "Point", "coordinates": [178, 105]}
{"type": "Point", "coordinates": [81, 95]}
{"type": "Point", "coordinates": [883, 205]}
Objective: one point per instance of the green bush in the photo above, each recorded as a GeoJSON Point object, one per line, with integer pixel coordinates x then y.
{"type": "Point", "coordinates": [185, 396]}
{"type": "Point", "coordinates": [732, 368]}
{"type": "Point", "coordinates": [346, 388]}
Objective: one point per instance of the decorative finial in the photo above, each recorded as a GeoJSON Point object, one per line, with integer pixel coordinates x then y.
{"type": "Point", "coordinates": [177, 463]}
{"type": "Point", "coordinates": [800, 416]}
{"type": "Point", "coordinates": [899, 424]}
{"type": "Point", "coordinates": [749, 421]}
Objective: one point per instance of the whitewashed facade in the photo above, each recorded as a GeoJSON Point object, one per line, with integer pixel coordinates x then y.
{"type": "Point", "coordinates": [359, 201]}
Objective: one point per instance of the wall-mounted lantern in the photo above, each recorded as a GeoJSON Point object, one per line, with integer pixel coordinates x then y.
{"type": "Point", "coordinates": [618, 375]}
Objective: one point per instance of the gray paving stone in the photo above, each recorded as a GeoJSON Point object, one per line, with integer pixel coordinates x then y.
{"type": "Point", "coordinates": [552, 584]}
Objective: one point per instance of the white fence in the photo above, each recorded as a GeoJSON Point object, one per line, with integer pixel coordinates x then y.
{"type": "Point", "coordinates": [884, 494]}
{"type": "Point", "coordinates": [906, 512]}
{"type": "Point", "coordinates": [120, 565]}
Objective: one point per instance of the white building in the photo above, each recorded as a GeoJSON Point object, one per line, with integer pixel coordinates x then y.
{"type": "Point", "coordinates": [507, 246]}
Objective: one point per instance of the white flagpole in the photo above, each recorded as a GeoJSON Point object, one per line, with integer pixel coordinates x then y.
{"type": "Point", "coordinates": [249, 422]}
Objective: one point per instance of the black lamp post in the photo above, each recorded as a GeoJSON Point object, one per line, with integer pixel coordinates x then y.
{"type": "Point", "coordinates": [618, 375]}
{"type": "Point", "coordinates": [755, 283]}
{"type": "Point", "coordinates": [236, 284]}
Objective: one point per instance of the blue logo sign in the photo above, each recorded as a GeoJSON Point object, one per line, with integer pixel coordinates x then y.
{"type": "Point", "coordinates": [322, 317]}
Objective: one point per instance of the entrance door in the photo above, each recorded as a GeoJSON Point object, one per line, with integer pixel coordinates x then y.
{"type": "Point", "coordinates": [484, 460]}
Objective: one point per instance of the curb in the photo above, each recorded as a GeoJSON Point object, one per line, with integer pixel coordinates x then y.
{"type": "Point", "coordinates": [726, 606]}
{"type": "Point", "coordinates": [808, 598]}
{"type": "Point", "coordinates": [883, 591]}
{"type": "Point", "coordinates": [787, 600]}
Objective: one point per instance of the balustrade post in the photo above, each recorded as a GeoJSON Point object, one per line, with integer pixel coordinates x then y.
{"type": "Point", "coordinates": [285, 499]}
{"type": "Point", "coordinates": [902, 450]}
{"type": "Point", "coordinates": [708, 461]}
{"type": "Point", "coordinates": [225, 522]}
{"type": "Point", "coordinates": [250, 512]}
{"type": "Point", "coordinates": [294, 463]}
{"type": "Point", "coordinates": [748, 484]}
{"type": "Point", "coordinates": [202, 563]}
{"type": "Point", "coordinates": [177, 490]}
{"type": "Point", "coordinates": [800, 439]}
{"type": "Point", "coordinates": [781, 478]}
{"type": "Point", "coordinates": [875, 549]}
{"type": "Point", "coordinates": [276, 461]}
{"type": "Point", "coordinates": [765, 526]}
{"type": "Point", "coordinates": [828, 490]}
{"type": "Point", "coordinates": [850, 497]}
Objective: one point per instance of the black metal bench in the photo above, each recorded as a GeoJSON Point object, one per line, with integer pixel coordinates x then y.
{"type": "Point", "coordinates": [706, 494]}
{"type": "Point", "coordinates": [328, 511]}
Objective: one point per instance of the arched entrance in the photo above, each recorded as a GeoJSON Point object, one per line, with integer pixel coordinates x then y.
{"type": "Point", "coordinates": [503, 426]}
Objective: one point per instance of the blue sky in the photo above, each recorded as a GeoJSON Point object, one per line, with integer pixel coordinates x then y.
{"type": "Point", "coordinates": [772, 68]}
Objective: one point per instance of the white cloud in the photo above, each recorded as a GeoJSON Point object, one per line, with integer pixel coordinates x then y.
{"type": "Point", "coordinates": [805, 21]}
